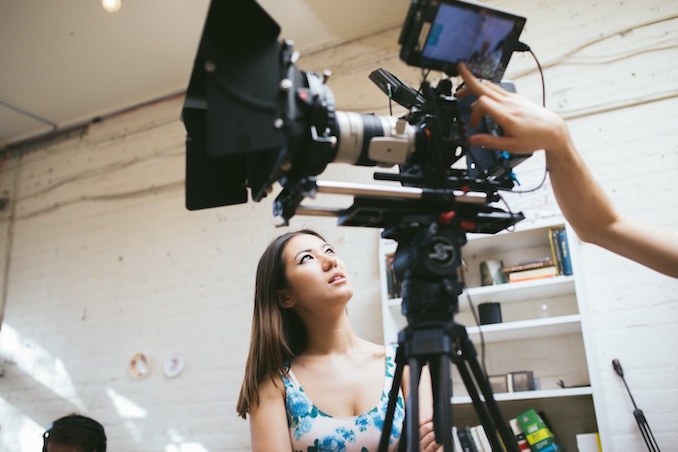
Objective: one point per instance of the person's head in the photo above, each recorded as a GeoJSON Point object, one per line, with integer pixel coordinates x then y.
{"type": "Point", "coordinates": [278, 334]}
{"type": "Point", "coordinates": [315, 282]}
{"type": "Point", "coordinates": [74, 433]}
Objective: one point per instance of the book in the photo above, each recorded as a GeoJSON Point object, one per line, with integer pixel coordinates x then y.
{"type": "Point", "coordinates": [528, 265]}
{"type": "Point", "coordinates": [535, 273]}
{"type": "Point", "coordinates": [484, 439]}
{"type": "Point", "coordinates": [455, 439]}
{"type": "Point", "coordinates": [555, 249]}
{"type": "Point", "coordinates": [589, 442]}
{"type": "Point", "coordinates": [393, 286]}
{"type": "Point", "coordinates": [523, 445]}
{"type": "Point", "coordinates": [538, 435]}
{"type": "Point", "coordinates": [564, 252]}
{"type": "Point", "coordinates": [466, 440]}
{"type": "Point", "coordinates": [475, 434]}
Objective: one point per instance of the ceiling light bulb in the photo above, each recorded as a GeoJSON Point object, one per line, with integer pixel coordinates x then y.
{"type": "Point", "coordinates": [111, 5]}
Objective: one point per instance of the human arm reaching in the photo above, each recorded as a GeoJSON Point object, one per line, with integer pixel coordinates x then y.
{"type": "Point", "coordinates": [529, 127]}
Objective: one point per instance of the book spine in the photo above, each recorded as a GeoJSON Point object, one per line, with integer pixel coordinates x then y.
{"type": "Point", "coordinates": [476, 439]}
{"type": "Point", "coordinates": [552, 244]}
{"type": "Point", "coordinates": [455, 439]}
{"type": "Point", "coordinates": [516, 278]}
{"type": "Point", "coordinates": [528, 266]}
{"type": "Point", "coordinates": [465, 439]}
{"type": "Point", "coordinates": [565, 252]}
{"type": "Point", "coordinates": [553, 235]}
{"type": "Point", "coordinates": [523, 446]}
{"type": "Point", "coordinates": [393, 285]}
{"type": "Point", "coordinates": [538, 435]}
{"type": "Point", "coordinates": [484, 439]}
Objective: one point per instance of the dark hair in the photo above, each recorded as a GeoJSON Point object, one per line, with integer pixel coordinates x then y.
{"type": "Point", "coordinates": [76, 430]}
{"type": "Point", "coordinates": [278, 335]}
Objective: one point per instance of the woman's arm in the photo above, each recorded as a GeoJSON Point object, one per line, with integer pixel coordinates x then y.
{"type": "Point", "coordinates": [529, 127]}
{"type": "Point", "coordinates": [268, 420]}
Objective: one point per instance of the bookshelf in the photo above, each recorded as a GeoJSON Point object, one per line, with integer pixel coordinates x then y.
{"type": "Point", "coordinates": [549, 342]}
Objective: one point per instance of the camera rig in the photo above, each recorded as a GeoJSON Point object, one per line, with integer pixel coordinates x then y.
{"type": "Point", "coordinates": [254, 119]}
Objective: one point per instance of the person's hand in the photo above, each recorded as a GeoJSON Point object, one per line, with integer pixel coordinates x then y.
{"type": "Point", "coordinates": [427, 437]}
{"type": "Point", "coordinates": [527, 127]}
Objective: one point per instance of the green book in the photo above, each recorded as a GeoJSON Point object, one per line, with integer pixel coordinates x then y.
{"type": "Point", "coordinates": [538, 435]}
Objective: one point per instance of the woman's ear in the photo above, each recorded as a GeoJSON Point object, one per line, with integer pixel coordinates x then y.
{"type": "Point", "coordinates": [285, 301]}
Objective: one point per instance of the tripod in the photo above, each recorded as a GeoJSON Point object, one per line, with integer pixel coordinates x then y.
{"type": "Point", "coordinates": [644, 427]}
{"type": "Point", "coordinates": [426, 262]}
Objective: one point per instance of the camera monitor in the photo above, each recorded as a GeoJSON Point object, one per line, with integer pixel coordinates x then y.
{"type": "Point", "coordinates": [439, 34]}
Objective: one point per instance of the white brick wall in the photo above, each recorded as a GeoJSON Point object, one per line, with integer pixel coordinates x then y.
{"type": "Point", "coordinates": [102, 260]}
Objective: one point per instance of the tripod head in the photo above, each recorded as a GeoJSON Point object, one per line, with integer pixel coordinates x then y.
{"type": "Point", "coordinates": [426, 263]}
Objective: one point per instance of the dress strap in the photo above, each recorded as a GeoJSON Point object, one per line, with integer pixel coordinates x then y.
{"type": "Point", "coordinates": [292, 378]}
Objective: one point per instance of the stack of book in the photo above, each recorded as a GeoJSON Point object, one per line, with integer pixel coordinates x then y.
{"type": "Point", "coordinates": [557, 263]}
{"type": "Point", "coordinates": [533, 269]}
{"type": "Point", "coordinates": [530, 431]}
{"type": "Point", "coordinates": [536, 432]}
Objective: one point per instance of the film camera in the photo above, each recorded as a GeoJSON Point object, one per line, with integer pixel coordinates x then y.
{"type": "Point", "coordinates": [254, 119]}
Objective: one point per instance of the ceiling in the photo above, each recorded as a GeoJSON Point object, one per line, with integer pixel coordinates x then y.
{"type": "Point", "coordinates": [66, 62]}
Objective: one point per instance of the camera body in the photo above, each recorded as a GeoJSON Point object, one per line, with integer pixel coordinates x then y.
{"type": "Point", "coordinates": [254, 119]}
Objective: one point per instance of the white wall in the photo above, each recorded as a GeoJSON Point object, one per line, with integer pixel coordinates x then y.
{"type": "Point", "coordinates": [101, 260]}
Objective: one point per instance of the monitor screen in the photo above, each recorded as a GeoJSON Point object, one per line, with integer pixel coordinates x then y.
{"type": "Point", "coordinates": [445, 33]}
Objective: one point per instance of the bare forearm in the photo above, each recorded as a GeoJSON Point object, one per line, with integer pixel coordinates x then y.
{"type": "Point", "coordinates": [579, 196]}
{"type": "Point", "coordinates": [528, 128]}
{"type": "Point", "coordinates": [595, 220]}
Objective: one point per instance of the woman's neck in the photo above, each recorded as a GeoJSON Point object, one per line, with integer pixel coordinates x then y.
{"type": "Point", "coordinates": [332, 337]}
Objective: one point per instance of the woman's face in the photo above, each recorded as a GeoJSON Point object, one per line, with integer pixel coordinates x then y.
{"type": "Point", "coordinates": [316, 277]}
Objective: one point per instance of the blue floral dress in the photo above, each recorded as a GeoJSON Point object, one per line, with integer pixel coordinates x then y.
{"type": "Point", "coordinates": [311, 430]}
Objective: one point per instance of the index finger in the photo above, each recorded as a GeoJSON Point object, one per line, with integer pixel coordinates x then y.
{"type": "Point", "coordinates": [471, 81]}
{"type": "Point", "coordinates": [478, 86]}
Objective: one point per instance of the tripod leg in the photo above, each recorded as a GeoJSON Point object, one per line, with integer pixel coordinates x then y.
{"type": "Point", "coordinates": [498, 423]}
{"type": "Point", "coordinates": [442, 411]}
{"type": "Point", "coordinates": [480, 409]}
{"type": "Point", "coordinates": [392, 400]}
{"type": "Point", "coordinates": [412, 417]}
{"type": "Point", "coordinates": [644, 427]}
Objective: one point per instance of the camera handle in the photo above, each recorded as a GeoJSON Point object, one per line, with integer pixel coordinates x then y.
{"type": "Point", "coordinates": [426, 262]}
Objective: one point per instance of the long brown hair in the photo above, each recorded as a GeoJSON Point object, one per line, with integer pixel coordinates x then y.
{"type": "Point", "coordinates": [278, 335]}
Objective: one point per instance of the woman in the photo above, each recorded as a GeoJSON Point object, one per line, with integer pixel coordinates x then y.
{"type": "Point", "coordinates": [310, 382]}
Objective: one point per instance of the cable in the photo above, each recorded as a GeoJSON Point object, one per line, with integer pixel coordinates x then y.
{"type": "Point", "coordinates": [522, 47]}
{"type": "Point", "coordinates": [477, 321]}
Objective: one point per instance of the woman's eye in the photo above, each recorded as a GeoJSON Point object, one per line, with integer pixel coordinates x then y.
{"type": "Point", "coordinates": [305, 258]}
{"type": "Point", "coordinates": [329, 251]}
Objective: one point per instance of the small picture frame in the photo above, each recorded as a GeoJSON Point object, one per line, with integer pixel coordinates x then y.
{"type": "Point", "coordinates": [522, 381]}
{"type": "Point", "coordinates": [498, 383]}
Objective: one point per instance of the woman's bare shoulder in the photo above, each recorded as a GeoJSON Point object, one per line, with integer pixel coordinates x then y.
{"type": "Point", "coordinates": [271, 387]}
